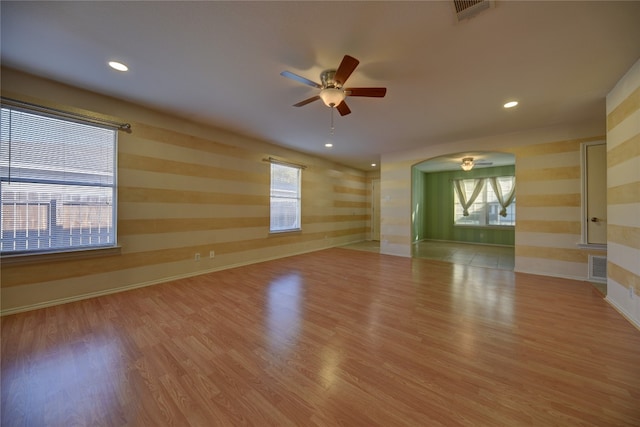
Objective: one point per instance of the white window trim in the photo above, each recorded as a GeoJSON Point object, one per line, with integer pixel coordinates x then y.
{"type": "Point", "coordinates": [298, 198]}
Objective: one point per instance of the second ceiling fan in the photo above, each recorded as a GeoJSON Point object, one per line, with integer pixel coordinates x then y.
{"type": "Point", "coordinates": [332, 90]}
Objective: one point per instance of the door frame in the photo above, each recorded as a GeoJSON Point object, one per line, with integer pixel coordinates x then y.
{"type": "Point", "coordinates": [375, 213]}
{"type": "Point", "coordinates": [584, 234]}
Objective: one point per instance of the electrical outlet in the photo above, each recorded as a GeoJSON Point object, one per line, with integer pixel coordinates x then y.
{"type": "Point", "coordinates": [197, 257]}
{"type": "Point", "coordinates": [212, 254]}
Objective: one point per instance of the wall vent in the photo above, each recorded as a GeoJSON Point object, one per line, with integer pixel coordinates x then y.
{"type": "Point", "coordinates": [466, 9]}
{"type": "Point", "coordinates": [598, 268]}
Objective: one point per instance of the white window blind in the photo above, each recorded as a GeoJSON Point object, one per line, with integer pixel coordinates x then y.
{"type": "Point", "coordinates": [58, 183]}
{"type": "Point", "coordinates": [285, 198]}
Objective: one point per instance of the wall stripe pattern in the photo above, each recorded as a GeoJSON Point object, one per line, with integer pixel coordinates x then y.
{"type": "Point", "coordinates": [185, 189]}
{"type": "Point", "coordinates": [548, 225]}
{"type": "Point", "coordinates": [395, 208]}
{"type": "Point", "coordinates": [623, 195]}
{"type": "Point", "coordinates": [548, 194]}
{"type": "Point", "coordinates": [371, 176]}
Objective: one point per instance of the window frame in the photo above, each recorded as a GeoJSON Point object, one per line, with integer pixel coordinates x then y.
{"type": "Point", "coordinates": [297, 226]}
{"type": "Point", "coordinates": [485, 206]}
{"type": "Point", "coordinates": [78, 249]}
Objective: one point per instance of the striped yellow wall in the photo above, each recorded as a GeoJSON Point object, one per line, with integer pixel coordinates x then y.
{"type": "Point", "coordinates": [371, 176]}
{"type": "Point", "coordinates": [548, 176]}
{"type": "Point", "coordinates": [623, 195]}
{"type": "Point", "coordinates": [183, 189]}
{"type": "Point", "coordinates": [549, 213]}
{"type": "Point", "coordinates": [395, 208]}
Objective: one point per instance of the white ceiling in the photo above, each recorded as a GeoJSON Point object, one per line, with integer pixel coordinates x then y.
{"type": "Point", "coordinates": [219, 63]}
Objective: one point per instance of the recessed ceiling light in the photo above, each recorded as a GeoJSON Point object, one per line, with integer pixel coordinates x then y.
{"type": "Point", "coordinates": [118, 66]}
{"type": "Point", "coordinates": [373, 165]}
{"type": "Point", "coordinates": [328, 145]}
{"type": "Point", "coordinates": [510, 104]}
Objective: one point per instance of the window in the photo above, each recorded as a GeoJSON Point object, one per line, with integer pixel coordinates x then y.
{"type": "Point", "coordinates": [487, 208]}
{"type": "Point", "coordinates": [57, 184]}
{"type": "Point", "coordinates": [285, 198]}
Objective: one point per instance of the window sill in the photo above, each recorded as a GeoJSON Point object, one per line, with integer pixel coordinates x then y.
{"type": "Point", "coordinates": [593, 246]}
{"type": "Point", "coordinates": [33, 258]}
{"type": "Point", "coordinates": [293, 230]}
{"type": "Point", "coordinates": [485, 227]}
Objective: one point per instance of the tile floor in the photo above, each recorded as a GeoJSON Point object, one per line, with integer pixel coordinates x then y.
{"type": "Point", "coordinates": [499, 257]}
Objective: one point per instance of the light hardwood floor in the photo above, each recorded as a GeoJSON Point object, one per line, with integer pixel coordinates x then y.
{"type": "Point", "coordinates": [331, 338]}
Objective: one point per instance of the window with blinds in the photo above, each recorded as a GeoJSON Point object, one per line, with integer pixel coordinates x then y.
{"type": "Point", "coordinates": [57, 184]}
{"type": "Point", "coordinates": [285, 198]}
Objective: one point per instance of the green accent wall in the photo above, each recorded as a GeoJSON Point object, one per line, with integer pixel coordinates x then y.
{"type": "Point", "coordinates": [433, 198]}
{"type": "Point", "coordinates": [418, 219]}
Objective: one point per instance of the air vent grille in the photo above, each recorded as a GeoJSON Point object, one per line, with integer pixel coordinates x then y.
{"type": "Point", "coordinates": [461, 5]}
{"type": "Point", "coordinates": [598, 268]}
{"type": "Point", "coordinates": [466, 9]}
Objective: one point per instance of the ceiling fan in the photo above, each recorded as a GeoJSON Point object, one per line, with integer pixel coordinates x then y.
{"type": "Point", "coordinates": [332, 90]}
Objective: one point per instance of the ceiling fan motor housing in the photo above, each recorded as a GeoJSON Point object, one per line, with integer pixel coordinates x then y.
{"type": "Point", "coordinates": [332, 93]}
{"type": "Point", "coordinates": [328, 79]}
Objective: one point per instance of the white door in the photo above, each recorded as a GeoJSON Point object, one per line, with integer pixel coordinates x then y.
{"type": "Point", "coordinates": [596, 215]}
{"type": "Point", "coordinates": [375, 209]}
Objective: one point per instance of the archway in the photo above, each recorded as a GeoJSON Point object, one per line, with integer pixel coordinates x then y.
{"type": "Point", "coordinates": [481, 237]}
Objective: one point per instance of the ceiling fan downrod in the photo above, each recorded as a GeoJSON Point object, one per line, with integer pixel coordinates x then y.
{"type": "Point", "coordinates": [332, 127]}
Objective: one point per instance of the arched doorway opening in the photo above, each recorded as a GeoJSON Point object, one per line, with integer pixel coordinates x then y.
{"type": "Point", "coordinates": [468, 224]}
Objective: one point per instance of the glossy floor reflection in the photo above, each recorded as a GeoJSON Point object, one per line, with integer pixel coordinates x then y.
{"type": "Point", "coordinates": [328, 338]}
{"type": "Point", "coordinates": [365, 245]}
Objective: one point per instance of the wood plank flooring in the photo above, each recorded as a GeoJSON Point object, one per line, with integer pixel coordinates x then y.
{"type": "Point", "coordinates": [331, 338]}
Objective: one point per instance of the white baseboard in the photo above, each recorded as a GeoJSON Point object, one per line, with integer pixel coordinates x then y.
{"type": "Point", "coordinates": [89, 295]}
{"type": "Point", "coordinates": [559, 276]}
{"type": "Point", "coordinates": [624, 314]}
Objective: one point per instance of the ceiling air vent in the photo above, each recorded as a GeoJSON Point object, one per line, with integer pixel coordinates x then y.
{"type": "Point", "coordinates": [466, 9]}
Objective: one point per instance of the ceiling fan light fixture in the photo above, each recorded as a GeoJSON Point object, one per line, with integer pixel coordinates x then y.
{"type": "Point", "coordinates": [467, 164]}
{"type": "Point", "coordinates": [332, 96]}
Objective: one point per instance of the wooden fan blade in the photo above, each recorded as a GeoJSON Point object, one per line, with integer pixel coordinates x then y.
{"type": "Point", "coordinates": [348, 64]}
{"type": "Point", "coordinates": [376, 92]}
{"type": "Point", "coordinates": [307, 101]}
{"type": "Point", "coordinates": [303, 80]}
{"type": "Point", "coordinates": [343, 109]}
